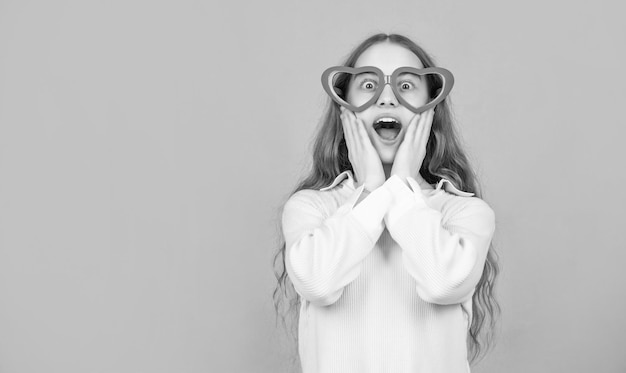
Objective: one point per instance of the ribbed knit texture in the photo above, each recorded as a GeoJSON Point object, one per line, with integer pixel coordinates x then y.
{"type": "Point", "coordinates": [386, 283]}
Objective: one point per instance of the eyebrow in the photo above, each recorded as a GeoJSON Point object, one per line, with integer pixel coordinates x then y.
{"type": "Point", "coordinates": [406, 73]}
{"type": "Point", "coordinates": [366, 73]}
{"type": "Point", "coordinates": [412, 76]}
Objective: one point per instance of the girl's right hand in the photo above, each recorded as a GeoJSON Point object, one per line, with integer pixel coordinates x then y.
{"type": "Point", "coordinates": [366, 163]}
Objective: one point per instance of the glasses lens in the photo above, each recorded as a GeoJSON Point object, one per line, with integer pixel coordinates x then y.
{"type": "Point", "coordinates": [356, 89]}
{"type": "Point", "coordinates": [362, 88]}
{"type": "Point", "coordinates": [414, 88]}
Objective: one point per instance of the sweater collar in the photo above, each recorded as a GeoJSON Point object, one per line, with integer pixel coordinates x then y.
{"type": "Point", "coordinates": [443, 183]}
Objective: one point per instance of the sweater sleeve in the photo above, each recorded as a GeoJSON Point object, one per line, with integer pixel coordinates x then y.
{"type": "Point", "coordinates": [446, 258]}
{"type": "Point", "coordinates": [324, 253]}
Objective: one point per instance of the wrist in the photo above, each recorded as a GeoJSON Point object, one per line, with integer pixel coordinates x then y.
{"type": "Point", "coordinates": [401, 176]}
{"type": "Point", "coordinates": [422, 183]}
{"type": "Point", "coordinates": [371, 186]}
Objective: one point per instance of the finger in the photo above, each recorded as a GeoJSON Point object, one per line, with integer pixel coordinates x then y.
{"type": "Point", "coordinates": [429, 121]}
{"type": "Point", "coordinates": [424, 120]}
{"type": "Point", "coordinates": [412, 129]}
{"type": "Point", "coordinates": [424, 130]}
{"type": "Point", "coordinates": [357, 140]}
{"type": "Point", "coordinates": [355, 131]}
{"type": "Point", "coordinates": [344, 119]}
{"type": "Point", "coordinates": [427, 129]}
{"type": "Point", "coordinates": [417, 130]}
{"type": "Point", "coordinates": [432, 118]}
{"type": "Point", "coordinates": [350, 115]}
{"type": "Point", "coordinates": [362, 132]}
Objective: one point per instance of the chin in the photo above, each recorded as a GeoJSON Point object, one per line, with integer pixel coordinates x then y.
{"type": "Point", "coordinates": [387, 155]}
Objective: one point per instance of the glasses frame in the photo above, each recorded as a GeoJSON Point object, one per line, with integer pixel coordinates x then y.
{"type": "Point", "coordinates": [446, 75]}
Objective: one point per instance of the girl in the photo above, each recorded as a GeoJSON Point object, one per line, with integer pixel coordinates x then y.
{"type": "Point", "coordinates": [387, 263]}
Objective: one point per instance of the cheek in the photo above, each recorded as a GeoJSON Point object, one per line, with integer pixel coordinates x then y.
{"type": "Point", "coordinates": [351, 97]}
{"type": "Point", "coordinates": [419, 99]}
{"type": "Point", "coordinates": [364, 117]}
{"type": "Point", "coordinates": [367, 120]}
{"type": "Point", "coordinates": [426, 99]}
{"type": "Point", "coordinates": [422, 99]}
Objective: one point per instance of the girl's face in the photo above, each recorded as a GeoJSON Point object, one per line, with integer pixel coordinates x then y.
{"type": "Point", "coordinates": [387, 56]}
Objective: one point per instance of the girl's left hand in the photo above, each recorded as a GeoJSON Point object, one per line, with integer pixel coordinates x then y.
{"type": "Point", "coordinates": [412, 150]}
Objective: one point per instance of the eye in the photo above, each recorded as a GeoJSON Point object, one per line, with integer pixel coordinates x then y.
{"type": "Point", "coordinates": [405, 86]}
{"type": "Point", "coordinates": [368, 85]}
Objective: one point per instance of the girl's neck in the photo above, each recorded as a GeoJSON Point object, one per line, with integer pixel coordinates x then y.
{"type": "Point", "coordinates": [387, 169]}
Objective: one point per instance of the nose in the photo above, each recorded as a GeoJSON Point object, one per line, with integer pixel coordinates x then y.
{"type": "Point", "coordinates": [387, 98]}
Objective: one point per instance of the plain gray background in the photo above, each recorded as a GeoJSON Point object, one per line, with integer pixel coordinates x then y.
{"type": "Point", "coordinates": [147, 146]}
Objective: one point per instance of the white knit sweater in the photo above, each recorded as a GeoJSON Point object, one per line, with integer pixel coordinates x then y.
{"type": "Point", "coordinates": [385, 284]}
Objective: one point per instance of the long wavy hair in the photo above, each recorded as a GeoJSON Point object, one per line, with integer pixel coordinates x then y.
{"type": "Point", "coordinates": [444, 159]}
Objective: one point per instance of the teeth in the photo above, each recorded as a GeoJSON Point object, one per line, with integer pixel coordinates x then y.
{"type": "Point", "coordinates": [386, 121]}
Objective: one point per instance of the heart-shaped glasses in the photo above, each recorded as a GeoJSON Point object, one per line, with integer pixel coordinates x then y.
{"type": "Point", "coordinates": [358, 88]}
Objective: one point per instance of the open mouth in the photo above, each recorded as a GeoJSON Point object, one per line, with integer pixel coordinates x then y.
{"type": "Point", "coordinates": [387, 128]}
